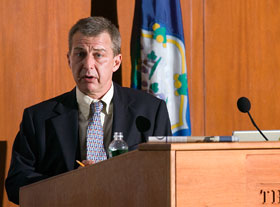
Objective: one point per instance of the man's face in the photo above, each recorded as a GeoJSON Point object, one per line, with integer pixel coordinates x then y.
{"type": "Point", "coordinates": [92, 63]}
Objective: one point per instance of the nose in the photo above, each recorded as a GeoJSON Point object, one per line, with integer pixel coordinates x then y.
{"type": "Point", "coordinates": [89, 62]}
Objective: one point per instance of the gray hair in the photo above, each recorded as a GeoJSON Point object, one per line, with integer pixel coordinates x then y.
{"type": "Point", "coordinates": [93, 26]}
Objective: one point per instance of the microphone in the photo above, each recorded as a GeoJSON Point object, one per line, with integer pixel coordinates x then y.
{"type": "Point", "coordinates": [143, 124]}
{"type": "Point", "coordinates": [244, 106]}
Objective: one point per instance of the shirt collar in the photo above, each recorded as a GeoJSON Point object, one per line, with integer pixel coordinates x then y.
{"type": "Point", "coordinates": [84, 101]}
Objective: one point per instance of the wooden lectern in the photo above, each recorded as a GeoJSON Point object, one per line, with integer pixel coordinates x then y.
{"type": "Point", "coordinates": [158, 175]}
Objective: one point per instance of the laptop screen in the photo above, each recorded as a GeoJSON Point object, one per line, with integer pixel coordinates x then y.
{"type": "Point", "coordinates": [255, 136]}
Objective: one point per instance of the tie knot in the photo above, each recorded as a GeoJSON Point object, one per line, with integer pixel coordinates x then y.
{"type": "Point", "coordinates": [96, 107]}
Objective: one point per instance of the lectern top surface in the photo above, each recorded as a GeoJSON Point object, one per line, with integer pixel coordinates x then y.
{"type": "Point", "coordinates": [209, 146]}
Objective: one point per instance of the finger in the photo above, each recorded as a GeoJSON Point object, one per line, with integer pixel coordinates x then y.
{"type": "Point", "coordinates": [87, 162]}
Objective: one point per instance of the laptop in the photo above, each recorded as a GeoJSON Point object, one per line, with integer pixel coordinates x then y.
{"type": "Point", "coordinates": [255, 136]}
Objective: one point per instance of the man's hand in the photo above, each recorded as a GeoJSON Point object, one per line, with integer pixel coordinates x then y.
{"type": "Point", "coordinates": [87, 162]}
{"type": "Point", "coordinates": [84, 163]}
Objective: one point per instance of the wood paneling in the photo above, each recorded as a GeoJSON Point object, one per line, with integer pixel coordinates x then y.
{"type": "Point", "coordinates": [242, 48]}
{"type": "Point", "coordinates": [232, 50]}
{"type": "Point", "coordinates": [192, 14]}
{"type": "Point", "coordinates": [33, 63]}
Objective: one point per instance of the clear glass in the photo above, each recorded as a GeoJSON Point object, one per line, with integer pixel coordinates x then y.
{"type": "Point", "coordinates": [118, 145]}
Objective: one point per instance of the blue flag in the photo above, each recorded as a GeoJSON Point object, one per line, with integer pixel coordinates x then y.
{"type": "Point", "coordinates": [159, 60]}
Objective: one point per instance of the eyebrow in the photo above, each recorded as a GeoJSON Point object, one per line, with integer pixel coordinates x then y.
{"type": "Point", "coordinates": [94, 49]}
{"type": "Point", "coordinates": [78, 48]}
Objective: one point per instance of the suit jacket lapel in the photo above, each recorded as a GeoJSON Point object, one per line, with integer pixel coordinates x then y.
{"type": "Point", "coordinates": [66, 127]}
{"type": "Point", "coordinates": [121, 108]}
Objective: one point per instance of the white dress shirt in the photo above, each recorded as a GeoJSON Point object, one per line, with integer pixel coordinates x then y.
{"type": "Point", "coordinates": [84, 102]}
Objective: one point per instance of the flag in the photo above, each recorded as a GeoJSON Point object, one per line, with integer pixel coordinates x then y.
{"type": "Point", "coordinates": [158, 58]}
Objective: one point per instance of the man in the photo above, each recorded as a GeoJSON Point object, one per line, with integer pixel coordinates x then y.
{"type": "Point", "coordinates": [57, 132]}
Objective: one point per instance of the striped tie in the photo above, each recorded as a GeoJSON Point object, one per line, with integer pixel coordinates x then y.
{"type": "Point", "coordinates": [95, 147]}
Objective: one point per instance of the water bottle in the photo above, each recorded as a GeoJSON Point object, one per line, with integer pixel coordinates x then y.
{"type": "Point", "coordinates": [118, 145]}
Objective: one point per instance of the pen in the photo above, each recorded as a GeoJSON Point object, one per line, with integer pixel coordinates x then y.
{"type": "Point", "coordinates": [80, 163]}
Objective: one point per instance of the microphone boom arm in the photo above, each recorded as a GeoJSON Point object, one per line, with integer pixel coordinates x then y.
{"type": "Point", "coordinates": [257, 126]}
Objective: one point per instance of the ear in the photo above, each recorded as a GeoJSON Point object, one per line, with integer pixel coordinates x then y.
{"type": "Point", "coordinates": [117, 62]}
{"type": "Point", "coordinates": [68, 58]}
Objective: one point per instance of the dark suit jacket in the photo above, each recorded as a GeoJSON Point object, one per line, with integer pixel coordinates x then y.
{"type": "Point", "coordinates": [48, 141]}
